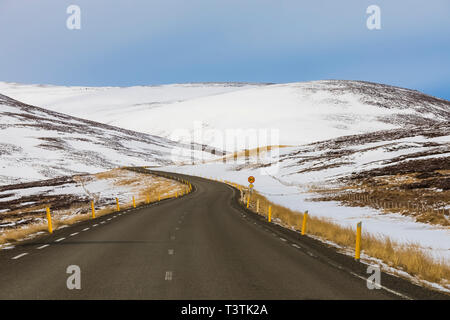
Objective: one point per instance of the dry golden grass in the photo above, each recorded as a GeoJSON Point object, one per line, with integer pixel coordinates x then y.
{"type": "Point", "coordinates": [388, 194]}
{"type": "Point", "coordinates": [256, 152]}
{"type": "Point", "coordinates": [409, 258]}
{"type": "Point", "coordinates": [148, 189]}
{"type": "Point", "coordinates": [21, 233]}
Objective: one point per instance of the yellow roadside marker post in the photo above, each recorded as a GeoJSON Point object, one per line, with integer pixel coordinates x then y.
{"type": "Point", "coordinates": [148, 199]}
{"type": "Point", "coordinates": [117, 203]}
{"type": "Point", "coordinates": [358, 241]}
{"type": "Point", "coordinates": [49, 220]}
{"type": "Point", "coordinates": [134, 203]}
{"type": "Point", "coordinates": [270, 214]}
{"type": "Point", "coordinates": [93, 209]}
{"type": "Point", "coordinates": [257, 206]}
{"type": "Point", "coordinates": [248, 200]}
{"type": "Point", "coordinates": [159, 197]}
{"type": "Point", "coordinates": [305, 218]}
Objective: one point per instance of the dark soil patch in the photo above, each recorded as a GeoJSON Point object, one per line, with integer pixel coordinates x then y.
{"type": "Point", "coordinates": [412, 166]}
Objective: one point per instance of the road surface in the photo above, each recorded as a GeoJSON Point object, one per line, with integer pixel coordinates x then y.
{"type": "Point", "coordinates": [200, 246]}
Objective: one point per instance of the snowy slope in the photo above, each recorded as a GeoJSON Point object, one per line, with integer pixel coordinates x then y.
{"type": "Point", "coordinates": [334, 130]}
{"type": "Point", "coordinates": [301, 112]}
{"type": "Point", "coordinates": [286, 176]}
{"type": "Point", "coordinates": [332, 160]}
{"type": "Point", "coordinates": [36, 144]}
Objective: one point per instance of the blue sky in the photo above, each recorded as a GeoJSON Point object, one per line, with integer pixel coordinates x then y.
{"type": "Point", "coordinates": [139, 42]}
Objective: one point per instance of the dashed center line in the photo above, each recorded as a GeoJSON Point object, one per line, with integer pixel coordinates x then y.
{"type": "Point", "coordinates": [42, 247]}
{"type": "Point", "coordinates": [95, 225]}
{"type": "Point", "coordinates": [85, 229]}
{"type": "Point", "coordinates": [168, 275]}
{"type": "Point", "coordinates": [74, 234]}
{"type": "Point", "coordinates": [295, 246]}
{"type": "Point", "coordinates": [283, 239]}
{"type": "Point", "coordinates": [171, 251]}
{"type": "Point", "coordinates": [24, 254]}
{"type": "Point", "coordinates": [60, 239]}
{"type": "Point", "coordinates": [109, 219]}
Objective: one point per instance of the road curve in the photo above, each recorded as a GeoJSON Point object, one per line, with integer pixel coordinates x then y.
{"type": "Point", "coordinates": [201, 246]}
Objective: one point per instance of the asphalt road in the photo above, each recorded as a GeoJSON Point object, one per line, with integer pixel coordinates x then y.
{"type": "Point", "coordinates": [201, 246]}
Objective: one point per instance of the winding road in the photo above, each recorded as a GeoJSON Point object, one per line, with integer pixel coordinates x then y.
{"type": "Point", "coordinates": [200, 246]}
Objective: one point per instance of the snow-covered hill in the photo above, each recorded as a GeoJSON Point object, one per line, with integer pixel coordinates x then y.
{"type": "Point", "coordinates": [36, 144]}
{"type": "Point", "coordinates": [401, 178]}
{"type": "Point", "coordinates": [338, 138]}
{"type": "Point", "coordinates": [344, 157]}
{"type": "Point", "coordinates": [301, 112]}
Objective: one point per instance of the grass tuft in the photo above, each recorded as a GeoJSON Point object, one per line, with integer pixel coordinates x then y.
{"type": "Point", "coordinates": [409, 258]}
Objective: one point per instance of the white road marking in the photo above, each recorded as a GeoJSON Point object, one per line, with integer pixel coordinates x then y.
{"type": "Point", "coordinates": [168, 275]}
{"type": "Point", "coordinates": [171, 251]}
{"type": "Point", "coordinates": [85, 229]}
{"type": "Point", "coordinates": [42, 247]}
{"type": "Point", "coordinates": [283, 239]}
{"type": "Point", "coordinates": [74, 234]}
{"type": "Point", "coordinates": [387, 289]}
{"type": "Point", "coordinates": [102, 222]}
{"type": "Point", "coordinates": [20, 256]}
{"type": "Point", "coordinates": [336, 265]}
{"type": "Point", "coordinates": [295, 246]}
{"type": "Point", "coordinates": [95, 225]}
{"type": "Point", "coordinates": [177, 228]}
{"type": "Point", "coordinates": [60, 239]}
{"type": "Point", "coordinates": [108, 219]}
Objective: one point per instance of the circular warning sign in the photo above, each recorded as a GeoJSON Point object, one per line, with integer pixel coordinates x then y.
{"type": "Point", "coordinates": [251, 179]}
